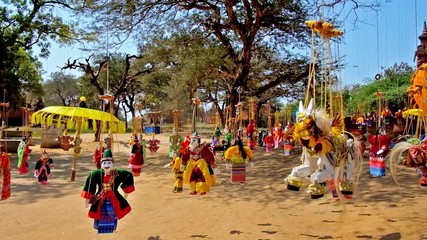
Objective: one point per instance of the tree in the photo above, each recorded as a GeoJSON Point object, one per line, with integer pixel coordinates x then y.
{"type": "Point", "coordinates": [23, 26]}
{"type": "Point", "coordinates": [240, 27]}
{"type": "Point", "coordinates": [61, 89]}
{"type": "Point", "coordinates": [111, 75]}
{"type": "Point", "coordinates": [393, 85]}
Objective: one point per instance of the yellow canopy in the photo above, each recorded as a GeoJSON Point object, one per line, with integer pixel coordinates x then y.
{"type": "Point", "coordinates": [59, 114]}
{"type": "Point", "coordinates": [413, 112]}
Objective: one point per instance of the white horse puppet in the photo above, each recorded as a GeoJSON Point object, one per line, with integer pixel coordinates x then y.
{"type": "Point", "coordinates": [330, 155]}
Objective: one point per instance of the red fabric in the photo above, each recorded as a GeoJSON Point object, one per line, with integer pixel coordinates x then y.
{"type": "Point", "coordinates": [97, 156]}
{"type": "Point", "coordinates": [268, 139]}
{"type": "Point", "coordinates": [24, 165]}
{"type": "Point", "coordinates": [250, 129]}
{"type": "Point", "coordinates": [379, 142]}
{"type": "Point", "coordinates": [5, 169]}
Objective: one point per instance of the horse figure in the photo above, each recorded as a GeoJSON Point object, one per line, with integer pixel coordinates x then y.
{"type": "Point", "coordinates": [330, 155]}
{"type": "Point", "coordinates": [414, 154]}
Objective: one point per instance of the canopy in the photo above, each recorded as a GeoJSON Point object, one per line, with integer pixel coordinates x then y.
{"type": "Point", "coordinates": [414, 112]}
{"type": "Point", "coordinates": [59, 114]}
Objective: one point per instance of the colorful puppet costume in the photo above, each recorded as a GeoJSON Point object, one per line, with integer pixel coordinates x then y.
{"type": "Point", "coordinates": [101, 191]}
{"type": "Point", "coordinates": [238, 155]}
{"type": "Point", "coordinates": [23, 155]}
{"type": "Point", "coordinates": [328, 153]}
{"type": "Point", "coordinates": [153, 144]}
{"type": "Point", "coordinates": [97, 156]}
{"type": "Point", "coordinates": [277, 135]}
{"type": "Point", "coordinates": [42, 169]}
{"type": "Point", "coordinates": [250, 133]}
{"type": "Point", "coordinates": [178, 167]}
{"type": "Point", "coordinates": [413, 152]}
{"type": "Point", "coordinates": [4, 174]}
{"type": "Point", "coordinates": [174, 140]}
{"type": "Point", "coordinates": [269, 142]}
{"type": "Point", "coordinates": [199, 161]}
{"type": "Point", "coordinates": [136, 159]}
{"type": "Point", "coordinates": [380, 144]}
{"type": "Point", "coordinates": [287, 140]}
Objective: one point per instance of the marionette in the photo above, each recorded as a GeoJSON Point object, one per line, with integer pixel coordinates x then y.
{"type": "Point", "coordinates": [4, 173]}
{"type": "Point", "coordinates": [174, 140]}
{"type": "Point", "coordinates": [199, 164]}
{"type": "Point", "coordinates": [153, 144]}
{"type": "Point", "coordinates": [215, 144]}
{"type": "Point", "coordinates": [327, 154]}
{"type": "Point", "coordinates": [380, 146]}
{"type": "Point", "coordinates": [288, 140]}
{"type": "Point", "coordinates": [24, 155]}
{"type": "Point", "coordinates": [227, 140]}
{"type": "Point", "coordinates": [178, 167]}
{"type": "Point", "coordinates": [97, 155]}
{"type": "Point", "coordinates": [277, 135]}
{"type": "Point", "coordinates": [250, 133]}
{"type": "Point", "coordinates": [136, 159]}
{"type": "Point", "coordinates": [238, 155]}
{"type": "Point", "coordinates": [43, 167]}
{"type": "Point", "coordinates": [107, 205]}
{"type": "Point", "coordinates": [269, 142]}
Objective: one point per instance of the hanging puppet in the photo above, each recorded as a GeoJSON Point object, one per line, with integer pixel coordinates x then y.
{"type": "Point", "coordinates": [43, 168]}
{"type": "Point", "coordinates": [227, 140]}
{"type": "Point", "coordinates": [4, 173]}
{"type": "Point", "coordinates": [174, 140]}
{"type": "Point", "coordinates": [380, 146]}
{"type": "Point", "coordinates": [277, 135]}
{"type": "Point", "coordinates": [178, 167]}
{"type": "Point", "coordinates": [199, 163]}
{"type": "Point", "coordinates": [328, 154]}
{"type": "Point", "coordinates": [136, 159]}
{"type": "Point", "coordinates": [288, 142]}
{"type": "Point", "coordinates": [215, 144]}
{"type": "Point", "coordinates": [97, 155]}
{"type": "Point", "coordinates": [238, 155]}
{"type": "Point", "coordinates": [101, 192]}
{"type": "Point", "coordinates": [269, 142]}
{"type": "Point", "coordinates": [414, 154]}
{"type": "Point", "coordinates": [24, 155]}
{"type": "Point", "coordinates": [153, 144]}
{"type": "Point", "coordinates": [250, 133]}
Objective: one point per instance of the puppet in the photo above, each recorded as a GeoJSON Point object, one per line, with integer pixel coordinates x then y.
{"type": "Point", "coordinates": [107, 205]}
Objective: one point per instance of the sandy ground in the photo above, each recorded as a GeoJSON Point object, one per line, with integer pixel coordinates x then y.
{"type": "Point", "coordinates": [262, 208]}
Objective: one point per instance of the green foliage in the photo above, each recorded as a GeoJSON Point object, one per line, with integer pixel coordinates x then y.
{"type": "Point", "coordinates": [61, 90]}
{"type": "Point", "coordinates": [393, 86]}
{"type": "Point", "coordinates": [25, 25]}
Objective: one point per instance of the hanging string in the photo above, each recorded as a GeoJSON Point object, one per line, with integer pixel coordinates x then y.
{"type": "Point", "coordinates": [416, 23]}
{"type": "Point", "coordinates": [378, 45]}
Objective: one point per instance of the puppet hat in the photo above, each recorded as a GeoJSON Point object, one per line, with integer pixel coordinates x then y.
{"type": "Point", "coordinates": [108, 155]}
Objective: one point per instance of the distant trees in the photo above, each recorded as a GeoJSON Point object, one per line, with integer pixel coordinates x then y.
{"type": "Point", "coordinates": [393, 85]}
{"type": "Point", "coordinates": [23, 26]}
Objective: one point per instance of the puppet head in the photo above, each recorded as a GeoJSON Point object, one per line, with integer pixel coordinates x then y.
{"type": "Point", "coordinates": [194, 141]}
{"type": "Point", "coordinates": [311, 123]}
{"type": "Point", "coordinates": [107, 161]}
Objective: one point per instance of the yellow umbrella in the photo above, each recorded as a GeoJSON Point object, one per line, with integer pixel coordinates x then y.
{"type": "Point", "coordinates": [413, 112]}
{"type": "Point", "coordinates": [79, 116]}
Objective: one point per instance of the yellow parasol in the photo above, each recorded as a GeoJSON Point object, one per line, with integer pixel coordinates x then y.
{"type": "Point", "coordinates": [413, 112]}
{"type": "Point", "coordinates": [77, 117]}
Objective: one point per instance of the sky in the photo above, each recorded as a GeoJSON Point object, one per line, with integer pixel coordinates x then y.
{"type": "Point", "coordinates": [380, 41]}
{"type": "Point", "coordinates": [370, 47]}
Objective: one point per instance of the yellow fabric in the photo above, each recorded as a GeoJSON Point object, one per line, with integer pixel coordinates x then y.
{"type": "Point", "coordinates": [233, 154]}
{"type": "Point", "coordinates": [202, 165]}
{"type": "Point", "coordinates": [74, 114]}
{"type": "Point", "coordinates": [176, 164]}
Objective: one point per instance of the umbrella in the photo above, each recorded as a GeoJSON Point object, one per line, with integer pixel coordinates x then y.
{"type": "Point", "coordinates": [414, 112]}
{"type": "Point", "coordinates": [77, 117]}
